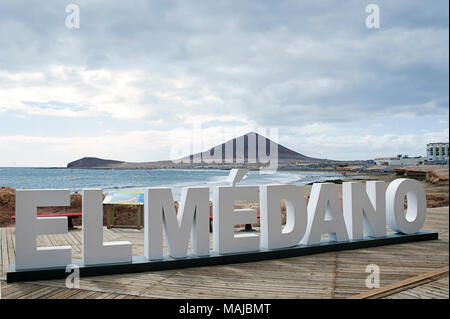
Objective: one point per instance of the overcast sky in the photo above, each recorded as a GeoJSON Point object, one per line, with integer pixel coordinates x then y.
{"type": "Point", "coordinates": [138, 76]}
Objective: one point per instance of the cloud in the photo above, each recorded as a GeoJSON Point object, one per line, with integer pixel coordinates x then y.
{"type": "Point", "coordinates": [288, 64]}
{"type": "Point", "coordinates": [72, 92]}
{"type": "Point", "coordinates": [363, 146]}
{"type": "Point", "coordinates": [206, 57]}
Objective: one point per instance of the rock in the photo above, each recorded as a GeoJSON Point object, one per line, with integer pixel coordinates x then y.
{"type": "Point", "coordinates": [437, 200]}
{"type": "Point", "coordinates": [435, 174]}
{"type": "Point", "coordinates": [93, 162]}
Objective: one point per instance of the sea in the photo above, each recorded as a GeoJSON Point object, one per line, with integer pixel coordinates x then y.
{"type": "Point", "coordinates": [138, 179]}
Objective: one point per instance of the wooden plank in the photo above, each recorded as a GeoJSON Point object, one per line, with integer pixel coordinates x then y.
{"type": "Point", "coordinates": [437, 289]}
{"type": "Point", "coordinates": [395, 287]}
{"type": "Point", "coordinates": [41, 292]}
{"type": "Point", "coordinates": [11, 246]}
{"type": "Point", "coordinates": [22, 290]}
{"type": "Point", "coordinates": [5, 262]}
{"type": "Point", "coordinates": [63, 294]}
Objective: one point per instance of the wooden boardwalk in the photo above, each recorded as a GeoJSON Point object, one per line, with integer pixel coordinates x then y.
{"type": "Point", "coordinates": [328, 275]}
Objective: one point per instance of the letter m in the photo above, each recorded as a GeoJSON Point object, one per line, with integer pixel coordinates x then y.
{"type": "Point", "coordinates": [192, 219]}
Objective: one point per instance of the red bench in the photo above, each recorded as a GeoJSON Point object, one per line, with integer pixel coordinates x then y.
{"type": "Point", "coordinates": [248, 227]}
{"type": "Point", "coordinates": [68, 215]}
{"type": "Point", "coordinates": [74, 215]}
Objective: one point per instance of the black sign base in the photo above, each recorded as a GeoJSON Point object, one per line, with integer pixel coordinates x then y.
{"type": "Point", "coordinates": [140, 264]}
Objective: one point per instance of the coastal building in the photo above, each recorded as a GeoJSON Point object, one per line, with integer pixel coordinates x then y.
{"type": "Point", "coordinates": [437, 152]}
{"type": "Point", "coordinates": [399, 160]}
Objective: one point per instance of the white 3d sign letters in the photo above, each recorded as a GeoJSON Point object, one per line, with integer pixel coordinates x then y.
{"type": "Point", "coordinates": [364, 210]}
{"type": "Point", "coordinates": [324, 215]}
{"type": "Point", "coordinates": [95, 251]}
{"type": "Point", "coordinates": [225, 217]}
{"type": "Point", "coordinates": [273, 234]}
{"type": "Point", "coordinates": [362, 217]}
{"type": "Point", "coordinates": [413, 220]}
{"type": "Point", "coordinates": [192, 219]}
{"type": "Point", "coordinates": [28, 227]}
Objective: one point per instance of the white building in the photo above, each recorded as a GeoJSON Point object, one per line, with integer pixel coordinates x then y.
{"type": "Point", "coordinates": [437, 152]}
{"type": "Point", "coordinates": [400, 160]}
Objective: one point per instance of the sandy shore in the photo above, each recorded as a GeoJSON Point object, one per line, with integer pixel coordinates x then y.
{"type": "Point", "coordinates": [433, 179]}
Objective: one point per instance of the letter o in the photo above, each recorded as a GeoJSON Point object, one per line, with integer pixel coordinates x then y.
{"type": "Point", "coordinates": [413, 220]}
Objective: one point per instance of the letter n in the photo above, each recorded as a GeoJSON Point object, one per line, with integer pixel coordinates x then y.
{"type": "Point", "coordinates": [364, 210]}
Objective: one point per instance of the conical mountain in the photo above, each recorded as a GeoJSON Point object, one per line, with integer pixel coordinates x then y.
{"type": "Point", "coordinates": [247, 149]}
